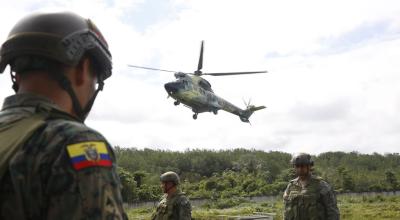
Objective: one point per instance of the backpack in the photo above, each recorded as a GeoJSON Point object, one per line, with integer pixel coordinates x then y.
{"type": "Point", "coordinates": [14, 135]}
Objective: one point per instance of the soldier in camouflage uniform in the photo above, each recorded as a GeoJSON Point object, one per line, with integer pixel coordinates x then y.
{"type": "Point", "coordinates": [63, 169]}
{"type": "Point", "coordinates": [308, 197]}
{"type": "Point", "coordinates": [174, 205]}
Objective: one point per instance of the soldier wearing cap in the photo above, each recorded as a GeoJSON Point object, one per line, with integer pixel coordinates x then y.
{"type": "Point", "coordinates": [308, 197]}
{"type": "Point", "coordinates": [174, 205]}
{"type": "Point", "coordinates": [52, 166]}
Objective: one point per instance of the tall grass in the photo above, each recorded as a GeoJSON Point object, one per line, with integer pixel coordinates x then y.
{"type": "Point", "coordinates": [351, 208]}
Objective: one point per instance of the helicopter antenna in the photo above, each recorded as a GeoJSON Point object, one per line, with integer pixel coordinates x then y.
{"type": "Point", "coordinates": [149, 68]}
{"type": "Point", "coordinates": [200, 64]}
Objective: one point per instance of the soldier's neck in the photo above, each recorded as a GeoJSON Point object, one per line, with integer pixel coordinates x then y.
{"type": "Point", "coordinates": [305, 178]}
{"type": "Point", "coordinates": [49, 89]}
{"type": "Point", "coordinates": [171, 192]}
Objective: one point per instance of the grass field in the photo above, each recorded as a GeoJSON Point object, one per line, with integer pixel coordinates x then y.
{"type": "Point", "coordinates": [351, 208]}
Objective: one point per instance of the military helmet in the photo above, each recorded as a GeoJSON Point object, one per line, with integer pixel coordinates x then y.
{"type": "Point", "coordinates": [64, 37]}
{"type": "Point", "coordinates": [170, 177]}
{"type": "Point", "coordinates": [302, 159]}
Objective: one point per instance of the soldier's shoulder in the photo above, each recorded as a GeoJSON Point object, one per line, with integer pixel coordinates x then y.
{"type": "Point", "coordinates": [75, 143]}
{"type": "Point", "coordinates": [317, 178]}
{"type": "Point", "coordinates": [57, 134]}
{"type": "Point", "coordinates": [183, 200]}
{"type": "Point", "coordinates": [162, 200]}
{"type": "Point", "coordinates": [293, 180]}
{"type": "Point", "coordinates": [324, 186]}
{"type": "Point", "coordinates": [73, 130]}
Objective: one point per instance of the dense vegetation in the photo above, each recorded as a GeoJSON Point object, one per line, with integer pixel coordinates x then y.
{"type": "Point", "coordinates": [240, 172]}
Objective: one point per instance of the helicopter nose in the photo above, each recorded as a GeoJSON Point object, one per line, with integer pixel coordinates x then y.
{"type": "Point", "coordinates": [171, 87]}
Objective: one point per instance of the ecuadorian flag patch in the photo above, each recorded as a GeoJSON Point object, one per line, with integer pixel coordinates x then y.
{"type": "Point", "coordinates": [89, 154]}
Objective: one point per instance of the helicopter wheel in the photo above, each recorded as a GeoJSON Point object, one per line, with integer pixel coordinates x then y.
{"type": "Point", "coordinates": [195, 116]}
{"type": "Point", "coordinates": [215, 112]}
{"type": "Point", "coordinates": [176, 103]}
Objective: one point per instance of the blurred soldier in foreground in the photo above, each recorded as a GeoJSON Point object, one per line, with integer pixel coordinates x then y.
{"type": "Point", "coordinates": [308, 197]}
{"type": "Point", "coordinates": [174, 204]}
{"type": "Point", "coordinates": [52, 166]}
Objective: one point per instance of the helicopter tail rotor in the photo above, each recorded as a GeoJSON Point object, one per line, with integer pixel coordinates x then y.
{"type": "Point", "coordinates": [250, 109]}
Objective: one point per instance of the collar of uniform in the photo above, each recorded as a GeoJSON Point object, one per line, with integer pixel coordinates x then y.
{"type": "Point", "coordinates": [28, 100]}
{"type": "Point", "coordinates": [37, 102]}
{"type": "Point", "coordinates": [307, 181]}
{"type": "Point", "coordinates": [296, 181]}
{"type": "Point", "coordinates": [177, 192]}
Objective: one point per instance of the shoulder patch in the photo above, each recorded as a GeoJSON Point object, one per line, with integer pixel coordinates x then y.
{"type": "Point", "coordinates": [89, 154]}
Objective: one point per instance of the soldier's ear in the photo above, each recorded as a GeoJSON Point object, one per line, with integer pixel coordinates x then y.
{"type": "Point", "coordinates": [82, 72]}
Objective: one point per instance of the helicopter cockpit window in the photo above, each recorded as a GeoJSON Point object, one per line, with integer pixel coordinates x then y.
{"type": "Point", "coordinates": [189, 85]}
{"type": "Point", "coordinates": [185, 84]}
{"type": "Point", "coordinates": [205, 85]}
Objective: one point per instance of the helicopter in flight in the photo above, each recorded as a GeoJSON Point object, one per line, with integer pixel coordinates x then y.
{"type": "Point", "coordinates": [194, 92]}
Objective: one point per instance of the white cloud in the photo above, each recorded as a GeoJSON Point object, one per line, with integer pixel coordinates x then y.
{"type": "Point", "coordinates": [332, 84]}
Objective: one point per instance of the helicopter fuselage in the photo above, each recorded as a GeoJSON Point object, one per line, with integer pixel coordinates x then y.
{"type": "Point", "coordinates": [196, 93]}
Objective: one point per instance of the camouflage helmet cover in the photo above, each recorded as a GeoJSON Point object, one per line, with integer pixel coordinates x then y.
{"type": "Point", "coordinates": [302, 159]}
{"type": "Point", "coordinates": [170, 177]}
{"type": "Point", "coordinates": [64, 37]}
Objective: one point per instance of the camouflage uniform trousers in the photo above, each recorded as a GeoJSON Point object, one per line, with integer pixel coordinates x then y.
{"type": "Point", "coordinates": [176, 207]}
{"type": "Point", "coordinates": [314, 201]}
{"type": "Point", "coordinates": [65, 170]}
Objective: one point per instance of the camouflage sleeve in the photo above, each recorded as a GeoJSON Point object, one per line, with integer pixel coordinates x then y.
{"type": "Point", "coordinates": [185, 209]}
{"type": "Point", "coordinates": [84, 183]}
{"type": "Point", "coordinates": [285, 202]}
{"type": "Point", "coordinates": [328, 199]}
{"type": "Point", "coordinates": [160, 208]}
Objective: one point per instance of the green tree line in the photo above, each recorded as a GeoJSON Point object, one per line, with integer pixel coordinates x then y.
{"type": "Point", "coordinates": [240, 172]}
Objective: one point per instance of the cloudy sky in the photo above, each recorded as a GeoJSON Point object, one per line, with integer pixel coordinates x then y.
{"type": "Point", "coordinates": [333, 81]}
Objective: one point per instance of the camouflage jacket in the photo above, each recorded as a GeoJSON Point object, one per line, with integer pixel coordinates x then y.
{"type": "Point", "coordinates": [64, 171]}
{"type": "Point", "coordinates": [315, 201]}
{"type": "Point", "coordinates": [177, 207]}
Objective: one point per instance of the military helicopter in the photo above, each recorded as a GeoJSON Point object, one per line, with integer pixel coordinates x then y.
{"type": "Point", "coordinates": [195, 92]}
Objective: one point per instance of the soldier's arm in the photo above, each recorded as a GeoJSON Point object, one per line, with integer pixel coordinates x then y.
{"type": "Point", "coordinates": [328, 199]}
{"type": "Point", "coordinates": [185, 210]}
{"type": "Point", "coordinates": [85, 186]}
{"type": "Point", "coordinates": [285, 198]}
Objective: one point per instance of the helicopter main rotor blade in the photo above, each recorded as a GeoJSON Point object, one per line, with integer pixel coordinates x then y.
{"type": "Point", "coordinates": [200, 65]}
{"type": "Point", "coordinates": [233, 73]}
{"type": "Point", "coordinates": [149, 68]}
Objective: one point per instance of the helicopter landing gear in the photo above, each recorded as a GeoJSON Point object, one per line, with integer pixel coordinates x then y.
{"type": "Point", "coordinates": [215, 112]}
{"type": "Point", "coordinates": [195, 116]}
{"type": "Point", "coordinates": [176, 103]}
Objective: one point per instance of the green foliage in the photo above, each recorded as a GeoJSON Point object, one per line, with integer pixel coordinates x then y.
{"type": "Point", "coordinates": [391, 180]}
{"type": "Point", "coordinates": [238, 173]}
{"type": "Point", "coordinates": [138, 177]}
{"type": "Point", "coordinates": [346, 181]}
{"type": "Point", "coordinates": [129, 190]}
